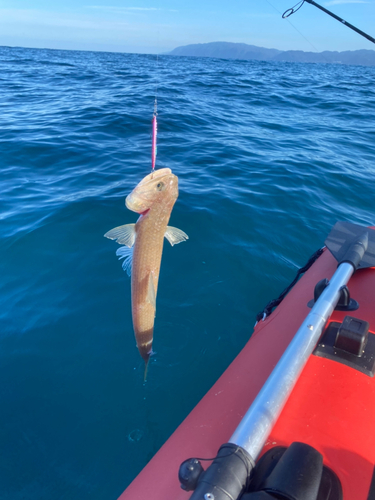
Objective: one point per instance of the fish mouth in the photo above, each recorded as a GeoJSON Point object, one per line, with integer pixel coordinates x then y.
{"type": "Point", "coordinates": [135, 204]}
{"type": "Point", "coordinates": [143, 195]}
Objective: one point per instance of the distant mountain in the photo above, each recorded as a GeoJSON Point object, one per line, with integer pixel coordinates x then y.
{"type": "Point", "coordinates": [228, 50]}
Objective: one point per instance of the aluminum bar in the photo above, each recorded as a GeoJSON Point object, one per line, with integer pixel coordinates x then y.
{"type": "Point", "coordinates": [256, 425]}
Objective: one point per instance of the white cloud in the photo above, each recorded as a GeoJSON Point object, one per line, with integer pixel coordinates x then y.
{"type": "Point", "coordinates": [340, 2]}
{"type": "Point", "coordinates": [15, 19]}
{"type": "Point", "coordinates": [93, 30]}
{"type": "Point", "coordinates": [124, 10]}
{"type": "Point", "coordinates": [120, 9]}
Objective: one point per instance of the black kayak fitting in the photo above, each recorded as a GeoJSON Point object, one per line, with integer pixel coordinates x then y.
{"type": "Point", "coordinates": [296, 473]}
{"type": "Point", "coordinates": [225, 479]}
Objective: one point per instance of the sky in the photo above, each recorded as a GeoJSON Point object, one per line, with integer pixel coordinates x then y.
{"type": "Point", "coordinates": [158, 26]}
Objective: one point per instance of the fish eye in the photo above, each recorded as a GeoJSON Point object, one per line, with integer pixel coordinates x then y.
{"type": "Point", "coordinates": [160, 186]}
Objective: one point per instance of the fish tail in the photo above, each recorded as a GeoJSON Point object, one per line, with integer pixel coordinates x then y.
{"type": "Point", "coordinates": [144, 344]}
{"type": "Point", "coordinates": [146, 370]}
{"type": "Point", "coordinates": [147, 359]}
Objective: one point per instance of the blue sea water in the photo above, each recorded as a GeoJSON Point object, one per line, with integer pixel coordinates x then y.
{"type": "Point", "coordinates": [269, 156]}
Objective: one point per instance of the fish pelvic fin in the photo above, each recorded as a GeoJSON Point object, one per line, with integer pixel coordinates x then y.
{"type": "Point", "coordinates": [126, 254]}
{"type": "Point", "coordinates": [124, 235]}
{"type": "Point", "coordinates": [175, 235]}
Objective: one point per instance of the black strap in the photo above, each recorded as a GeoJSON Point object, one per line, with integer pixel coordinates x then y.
{"type": "Point", "coordinates": [275, 302]}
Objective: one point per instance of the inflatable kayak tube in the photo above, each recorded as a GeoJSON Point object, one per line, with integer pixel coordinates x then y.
{"type": "Point", "coordinates": [293, 416]}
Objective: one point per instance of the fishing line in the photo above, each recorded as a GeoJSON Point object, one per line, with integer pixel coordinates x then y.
{"type": "Point", "coordinates": [298, 31]}
{"type": "Point", "coordinates": [154, 149]}
{"type": "Point", "coordinates": [156, 86]}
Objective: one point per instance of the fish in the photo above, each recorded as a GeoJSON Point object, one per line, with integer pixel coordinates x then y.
{"type": "Point", "coordinates": [153, 198]}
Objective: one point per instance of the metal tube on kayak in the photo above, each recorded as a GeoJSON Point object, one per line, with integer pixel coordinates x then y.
{"type": "Point", "coordinates": [257, 423]}
{"type": "Point", "coordinates": [229, 474]}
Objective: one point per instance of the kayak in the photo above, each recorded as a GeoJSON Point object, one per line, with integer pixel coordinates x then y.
{"type": "Point", "coordinates": [292, 416]}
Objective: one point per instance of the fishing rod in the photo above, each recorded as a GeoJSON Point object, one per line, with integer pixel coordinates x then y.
{"type": "Point", "coordinates": [294, 9]}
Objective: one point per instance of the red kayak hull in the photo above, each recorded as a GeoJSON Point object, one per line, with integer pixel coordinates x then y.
{"type": "Point", "coordinates": [331, 408]}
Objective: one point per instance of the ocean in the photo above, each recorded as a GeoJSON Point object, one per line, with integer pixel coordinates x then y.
{"type": "Point", "coordinates": [268, 155]}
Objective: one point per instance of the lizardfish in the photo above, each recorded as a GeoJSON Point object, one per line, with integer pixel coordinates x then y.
{"type": "Point", "coordinates": [153, 198]}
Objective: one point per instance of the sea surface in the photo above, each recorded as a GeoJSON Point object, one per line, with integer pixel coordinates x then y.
{"type": "Point", "coordinates": [269, 156]}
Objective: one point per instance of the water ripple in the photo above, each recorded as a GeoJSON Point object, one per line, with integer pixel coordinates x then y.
{"type": "Point", "coordinates": [268, 155]}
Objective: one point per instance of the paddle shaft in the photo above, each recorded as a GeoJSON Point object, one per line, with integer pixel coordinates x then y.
{"type": "Point", "coordinates": [256, 425]}
{"type": "Point", "coordinates": [228, 476]}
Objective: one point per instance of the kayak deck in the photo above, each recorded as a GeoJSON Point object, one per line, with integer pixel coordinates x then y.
{"type": "Point", "coordinates": [332, 406]}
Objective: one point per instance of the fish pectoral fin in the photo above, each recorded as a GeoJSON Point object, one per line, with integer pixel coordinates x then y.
{"type": "Point", "coordinates": [175, 235]}
{"type": "Point", "coordinates": [125, 235]}
{"type": "Point", "coordinates": [151, 294]}
{"type": "Point", "coordinates": [127, 254]}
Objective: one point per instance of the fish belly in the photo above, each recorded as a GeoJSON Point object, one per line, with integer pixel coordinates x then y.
{"type": "Point", "coordinates": [146, 263]}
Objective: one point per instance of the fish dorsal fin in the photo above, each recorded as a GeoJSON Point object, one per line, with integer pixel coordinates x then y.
{"type": "Point", "coordinates": [124, 235]}
{"type": "Point", "coordinates": [175, 235]}
{"type": "Point", "coordinates": [151, 294]}
{"type": "Point", "coordinates": [127, 254]}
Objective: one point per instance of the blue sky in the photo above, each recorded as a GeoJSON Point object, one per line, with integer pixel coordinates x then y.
{"type": "Point", "coordinates": [156, 26]}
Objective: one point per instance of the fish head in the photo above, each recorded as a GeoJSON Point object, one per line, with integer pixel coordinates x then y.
{"type": "Point", "coordinates": [161, 185]}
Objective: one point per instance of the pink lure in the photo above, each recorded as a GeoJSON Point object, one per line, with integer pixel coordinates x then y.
{"type": "Point", "coordinates": [154, 148]}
